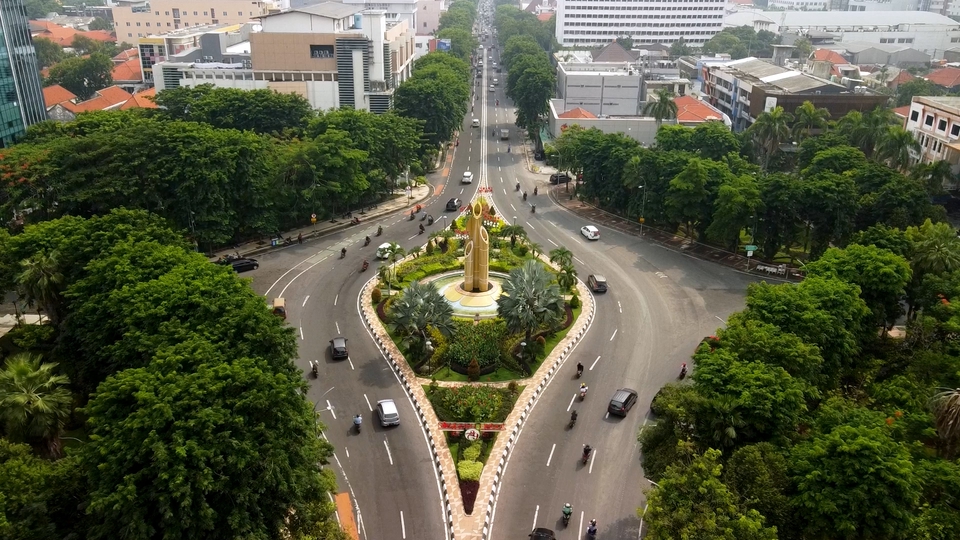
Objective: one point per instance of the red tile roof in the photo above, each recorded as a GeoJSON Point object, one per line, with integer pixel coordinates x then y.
{"type": "Point", "coordinates": [691, 109]}
{"type": "Point", "coordinates": [902, 77]}
{"type": "Point", "coordinates": [830, 56]}
{"type": "Point", "coordinates": [577, 113]}
{"type": "Point", "coordinates": [108, 98]}
{"type": "Point", "coordinates": [63, 36]}
{"type": "Point", "coordinates": [545, 16]}
{"type": "Point", "coordinates": [902, 111]}
{"type": "Point", "coordinates": [126, 55]}
{"type": "Point", "coordinates": [56, 94]}
{"type": "Point", "coordinates": [141, 100]}
{"type": "Point", "coordinates": [128, 71]}
{"type": "Point", "coordinates": [947, 77]}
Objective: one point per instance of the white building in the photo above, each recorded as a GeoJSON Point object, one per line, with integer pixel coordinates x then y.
{"type": "Point", "coordinates": [593, 23]}
{"type": "Point", "coordinates": [851, 5]}
{"type": "Point", "coordinates": [924, 31]}
{"type": "Point", "coordinates": [935, 124]}
{"type": "Point", "coordinates": [334, 55]}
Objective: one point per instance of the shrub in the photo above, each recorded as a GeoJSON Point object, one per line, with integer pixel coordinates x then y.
{"type": "Point", "coordinates": [476, 342]}
{"type": "Point", "coordinates": [471, 403]}
{"type": "Point", "coordinates": [472, 452]}
{"type": "Point", "coordinates": [440, 346]}
{"type": "Point", "coordinates": [376, 295]}
{"type": "Point", "coordinates": [513, 387]}
{"type": "Point", "coordinates": [473, 370]}
{"type": "Point", "coordinates": [574, 302]}
{"type": "Point", "coordinates": [430, 249]}
{"type": "Point", "coordinates": [469, 470]}
{"type": "Point", "coordinates": [521, 250]}
{"type": "Point", "coordinates": [33, 336]}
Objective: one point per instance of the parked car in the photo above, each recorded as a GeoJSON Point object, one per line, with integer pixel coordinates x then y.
{"type": "Point", "coordinates": [388, 413]}
{"type": "Point", "coordinates": [590, 232]}
{"type": "Point", "coordinates": [240, 264]}
{"type": "Point", "coordinates": [622, 401]}
{"type": "Point", "coordinates": [453, 204]}
{"type": "Point", "coordinates": [338, 348]}
{"type": "Point", "coordinates": [597, 283]}
{"type": "Point", "coordinates": [561, 178]}
{"type": "Point", "coordinates": [467, 178]}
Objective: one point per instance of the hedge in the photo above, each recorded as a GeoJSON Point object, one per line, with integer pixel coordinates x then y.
{"type": "Point", "coordinates": [470, 403]}
{"type": "Point", "coordinates": [472, 452]}
{"type": "Point", "coordinates": [480, 341]}
{"type": "Point", "coordinates": [469, 470]}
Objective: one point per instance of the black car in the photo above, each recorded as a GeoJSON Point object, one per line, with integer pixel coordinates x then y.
{"type": "Point", "coordinates": [541, 533]}
{"type": "Point", "coordinates": [240, 264]}
{"type": "Point", "coordinates": [597, 283]}
{"type": "Point", "coordinates": [338, 348]}
{"type": "Point", "coordinates": [561, 178]}
{"type": "Point", "coordinates": [622, 401]}
{"type": "Point", "coordinates": [453, 204]}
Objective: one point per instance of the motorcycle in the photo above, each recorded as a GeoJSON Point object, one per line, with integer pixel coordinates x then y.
{"type": "Point", "coordinates": [683, 371]}
{"type": "Point", "coordinates": [356, 221]}
{"type": "Point", "coordinates": [314, 370]}
{"type": "Point", "coordinates": [583, 392]}
{"type": "Point", "coordinates": [412, 216]}
{"type": "Point", "coordinates": [518, 186]}
{"type": "Point", "coordinates": [567, 512]}
{"type": "Point", "coordinates": [366, 242]}
{"type": "Point", "coordinates": [429, 220]}
{"type": "Point", "coordinates": [357, 420]}
{"type": "Point", "coordinates": [343, 253]}
{"type": "Point", "coordinates": [573, 420]}
{"type": "Point", "coordinates": [423, 217]}
{"type": "Point", "coordinates": [533, 209]}
{"type": "Point", "coordinates": [586, 454]}
{"type": "Point", "coordinates": [579, 371]}
{"type": "Point", "coordinates": [379, 230]}
{"type": "Point", "coordinates": [363, 268]}
{"type": "Point", "coordinates": [524, 196]}
{"type": "Point", "coordinates": [534, 191]}
{"type": "Point", "coordinates": [421, 229]}
{"type": "Point", "coordinates": [592, 529]}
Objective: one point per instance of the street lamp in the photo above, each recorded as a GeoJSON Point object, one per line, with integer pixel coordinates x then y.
{"type": "Point", "coordinates": [514, 221]}
{"type": "Point", "coordinates": [643, 207]}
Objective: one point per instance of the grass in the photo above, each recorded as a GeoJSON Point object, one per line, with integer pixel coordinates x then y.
{"type": "Point", "coordinates": [500, 375]}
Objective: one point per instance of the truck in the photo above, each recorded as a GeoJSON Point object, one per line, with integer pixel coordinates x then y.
{"type": "Point", "coordinates": [504, 134]}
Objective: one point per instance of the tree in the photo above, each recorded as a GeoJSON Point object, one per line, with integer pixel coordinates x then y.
{"type": "Point", "coordinates": [661, 108]}
{"type": "Point", "coordinates": [895, 146]}
{"type": "Point", "coordinates": [100, 23]}
{"type": "Point", "coordinates": [737, 201]}
{"type": "Point", "coordinates": [936, 248]}
{"type": "Point", "coordinates": [48, 52]}
{"type": "Point", "coordinates": [41, 284]}
{"type": "Point", "coordinates": [203, 444]}
{"type": "Point", "coordinates": [802, 46]}
{"type": "Point", "coordinates": [679, 48]}
{"type": "Point", "coordinates": [420, 306]}
{"type": "Point", "coordinates": [688, 196]}
{"type": "Point", "coordinates": [83, 76]}
{"type": "Point", "coordinates": [530, 300]}
{"type": "Point", "coordinates": [34, 401]}
{"type": "Point", "coordinates": [517, 46]}
{"type": "Point", "coordinates": [854, 482]}
{"type": "Point", "coordinates": [462, 41]}
{"type": "Point", "coordinates": [261, 111]}
{"type": "Point", "coordinates": [828, 204]}
{"type": "Point", "coordinates": [779, 224]}
{"type": "Point", "coordinates": [29, 495]}
{"type": "Point", "coordinates": [725, 43]}
{"type": "Point", "coordinates": [533, 87]}
{"type": "Point", "coordinates": [946, 412]}
{"type": "Point", "coordinates": [866, 130]}
{"type": "Point", "coordinates": [769, 131]}
{"type": "Point", "coordinates": [881, 275]}
{"type": "Point", "coordinates": [808, 118]}
{"type": "Point", "coordinates": [693, 502]}
{"type": "Point", "coordinates": [38, 9]}
{"type": "Point", "coordinates": [561, 256]}
{"type": "Point", "coordinates": [755, 341]}
{"type": "Point", "coordinates": [437, 96]}
{"type": "Point", "coordinates": [757, 475]}
{"type": "Point", "coordinates": [916, 87]}
{"type": "Point", "coordinates": [713, 140]}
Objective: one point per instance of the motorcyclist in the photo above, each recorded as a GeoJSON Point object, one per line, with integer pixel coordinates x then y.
{"type": "Point", "coordinates": [573, 417]}
{"type": "Point", "coordinates": [579, 369]}
{"type": "Point", "coordinates": [429, 220]}
{"type": "Point", "coordinates": [592, 528]}
{"type": "Point", "coordinates": [567, 512]}
{"type": "Point", "coordinates": [421, 228]}
{"type": "Point", "coordinates": [357, 420]}
{"type": "Point", "coordinates": [524, 195]}
{"type": "Point", "coordinates": [366, 241]}
{"type": "Point", "coordinates": [534, 190]}
{"type": "Point", "coordinates": [533, 209]}
{"type": "Point", "coordinates": [518, 186]}
{"type": "Point", "coordinates": [586, 452]}
{"type": "Point", "coordinates": [583, 388]}
{"type": "Point", "coordinates": [683, 370]}
{"type": "Point", "coordinates": [343, 253]}
{"type": "Point", "coordinates": [365, 265]}
{"type": "Point", "coordinates": [379, 230]}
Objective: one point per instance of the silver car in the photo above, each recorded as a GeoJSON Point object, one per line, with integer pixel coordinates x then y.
{"type": "Point", "coordinates": [388, 413]}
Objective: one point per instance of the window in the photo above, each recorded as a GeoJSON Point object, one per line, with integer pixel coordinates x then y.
{"type": "Point", "coordinates": [167, 13]}
{"type": "Point", "coordinates": [128, 24]}
{"type": "Point", "coordinates": [955, 130]}
{"type": "Point", "coordinates": [129, 34]}
{"type": "Point", "coordinates": [928, 121]}
{"type": "Point", "coordinates": [321, 51]}
{"type": "Point", "coordinates": [942, 125]}
{"type": "Point", "coordinates": [138, 24]}
{"type": "Point", "coordinates": [914, 115]}
{"type": "Point", "coordinates": [168, 25]}
{"type": "Point", "coordinates": [194, 12]}
{"type": "Point", "coordinates": [148, 24]}
{"type": "Point", "coordinates": [424, 25]}
{"type": "Point", "coordinates": [204, 13]}
{"type": "Point", "coordinates": [224, 14]}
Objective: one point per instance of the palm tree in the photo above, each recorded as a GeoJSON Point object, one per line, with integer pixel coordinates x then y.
{"type": "Point", "coordinates": [865, 130]}
{"type": "Point", "coordinates": [34, 401]}
{"type": "Point", "coordinates": [530, 300]}
{"type": "Point", "coordinates": [946, 412]}
{"type": "Point", "coordinates": [40, 281]}
{"type": "Point", "coordinates": [561, 257]}
{"type": "Point", "coordinates": [536, 249]}
{"type": "Point", "coordinates": [567, 276]}
{"type": "Point", "coordinates": [935, 176]}
{"type": "Point", "coordinates": [936, 248]}
{"type": "Point", "coordinates": [725, 421]}
{"type": "Point", "coordinates": [662, 108]}
{"type": "Point", "coordinates": [394, 252]}
{"type": "Point", "coordinates": [895, 146]}
{"type": "Point", "coordinates": [420, 306]}
{"type": "Point", "coordinates": [769, 131]}
{"type": "Point", "coordinates": [807, 118]}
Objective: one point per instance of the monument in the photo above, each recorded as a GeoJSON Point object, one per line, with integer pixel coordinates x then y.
{"type": "Point", "coordinates": [476, 262]}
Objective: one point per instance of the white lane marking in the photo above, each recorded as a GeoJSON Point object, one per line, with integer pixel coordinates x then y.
{"type": "Point", "coordinates": [661, 275]}
{"type": "Point", "coordinates": [500, 168]}
{"type": "Point", "coordinates": [501, 179]}
{"type": "Point", "coordinates": [412, 237]}
{"type": "Point", "coordinates": [552, 242]}
{"type": "Point", "coordinates": [347, 450]}
{"type": "Point", "coordinates": [580, 528]}
{"type": "Point", "coordinates": [338, 328]}
{"type": "Point", "coordinates": [569, 405]}
{"type": "Point", "coordinates": [514, 207]}
{"type": "Point", "coordinates": [335, 300]}
{"type": "Point", "coordinates": [403, 526]}
{"type": "Point", "coordinates": [619, 306]}
{"type": "Point", "coordinates": [614, 334]}
{"type": "Point", "coordinates": [301, 333]}
{"type": "Point", "coordinates": [389, 455]}
{"type": "Point", "coordinates": [594, 363]}
{"type": "Point", "coordinates": [550, 457]}
{"type": "Point", "coordinates": [504, 191]}
{"type": "Point", "coordinates": [579, 261]}
{"type": "Point", "coordinates": [529, 225]}
{"type": "Point", "coordinates": [350, 361]}
{"type": "Point", "coordinates": [593, 458]}
{"type": "Point", "coordinates": [535, 514]}
{"type": "Point", "coordinates": [721, 320]}
{"type": "Point", "coordinates": [305, 301]}
{"type": "Point", "coordinates": [305, 270]}
{"type": "Point", "coordinates": [461, 190]}
{"type": "Point", "coordinates": [365, 398]}
{"type": "Point", "coordinates": [330, 408]}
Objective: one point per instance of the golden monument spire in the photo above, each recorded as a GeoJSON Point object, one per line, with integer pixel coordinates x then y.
{"type": "Point", "coordinates": [476, 262]}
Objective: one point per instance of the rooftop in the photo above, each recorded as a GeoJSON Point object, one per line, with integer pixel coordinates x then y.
{"type": "Point", "coordinates": [330, 10]}
{"type": "Point", "coordinates": [949, 104]}
{"type": "Point", "coordinates": [947, 77]}
{"type": "Point", "coordinates": [774, 77]}
{"type": "Point", "coordinates": [577, 113]}
{"type": "Point", "coordinates": [857, 18]}
{"type": "Point", "coordinates": [128, 71]}
{"type": "Point", "coordinates": [829, 56]}
{"type": "Point", "coordinates": [691, 109]}
{"type": "Point", "coordinates": [614, 52]}
{"type": "Point", "coordinates": [56, 94]}
{"type": "Point", "coordinates": [141, 100]}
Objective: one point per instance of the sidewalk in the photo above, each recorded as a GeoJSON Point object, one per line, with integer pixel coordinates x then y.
{"type": "Point", "coordinates": [323, 228]}
{"type": "Point", "coordinates": [670, 241]}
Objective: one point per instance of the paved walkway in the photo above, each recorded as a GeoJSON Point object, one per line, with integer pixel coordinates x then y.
{"type": "Point", "coordinates": [323, 228]}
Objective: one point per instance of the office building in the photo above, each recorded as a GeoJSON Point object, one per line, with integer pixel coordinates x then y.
{"type": "Point", "coordinates": [428, 15]}
{"type": "Point", "coordinates": [219, 43]}
{"type": "Point", "coordinates": [586, 23]}
{"type": "Point", "coordinates": [134, 19]}
{"type": "Point", "coordinates": [21, 94]}
{"type": "Point", "coordinates": [935, 124]}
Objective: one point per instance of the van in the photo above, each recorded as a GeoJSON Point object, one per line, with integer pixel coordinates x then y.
{"type": "Point", "coordinates": [467, 178]}
{"type": "Point", "coordinates": [383, 250]}
{"type": "Point", "coordinates": [475, 123]}
{"type": "Point", "coordinates": [279, 308]}
{"type": "Point", "coordinates": [597, 283]}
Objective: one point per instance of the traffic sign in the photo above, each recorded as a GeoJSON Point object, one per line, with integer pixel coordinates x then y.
{"type": "Point", "coordinates": [471, 434]}
{"type": "Point", "coordinates": [313, 218]}
{"type": "Point", "coordinates": [750, 248]}
{"type": "Point", "coordinates": [641, 220]}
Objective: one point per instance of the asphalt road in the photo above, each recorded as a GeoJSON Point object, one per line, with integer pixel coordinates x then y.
{"type": "Point", "coordinates": [659, 306]}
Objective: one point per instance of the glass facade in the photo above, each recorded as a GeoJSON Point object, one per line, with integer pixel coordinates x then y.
{"type": "Point", "coordinates": [21, 96]}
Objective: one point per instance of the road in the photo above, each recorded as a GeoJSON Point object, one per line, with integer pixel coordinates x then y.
{"type": "Point", "coordinates": [659, 305]}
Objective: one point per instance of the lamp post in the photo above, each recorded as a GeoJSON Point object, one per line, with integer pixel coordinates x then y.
{"type": "Point", "coordinates": [643, 207]}
{"type": "Point", "coordinates": [523, 350]}
{"type": "Point", "coordinates": [514, 221]}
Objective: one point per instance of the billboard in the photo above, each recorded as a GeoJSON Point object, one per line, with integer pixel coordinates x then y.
{"type": "Point", "coordinates": [443, 45]}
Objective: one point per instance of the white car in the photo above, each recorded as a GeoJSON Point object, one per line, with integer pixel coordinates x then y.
{"type": "Point", "coordinates": [383, 251]}
{"type": "Point", "coordinates": [388, 413]}
{"type": "Point", "coordinates": [590, 232]}
{"type": "Point", "coordinates": [492, 88]}
{"type": "Point", "coordinates": [467, 178]}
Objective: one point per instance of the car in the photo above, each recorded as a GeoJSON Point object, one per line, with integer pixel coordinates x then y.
{"type": "Point", "coordinates": [590, 232]}
{"type": "Point", "coordinates": [622, 401]}
{"type": "Point", "coordinates": [240, 264]}
{"type": "Point", "coordinates": [496, 82]}
{"type": "Point", "coordinates": [453, 204]}
{"type": "Point", "coordinates": [467, 178]}
{"type": "Point", "coordinates": [542, 533]}
{"type": "Point", "coordinates": [597, 283]}
{"type": "Point", "coordinates": [561, 178]}
{"type": "Point", "coordinates": [383, 251]}
{"type": "Point", "coordinates": [475, 122]}
{"type": "Point", "coordinates": [493, 88]}
{"type": "Point", "coordinates": [388, 413]}
{"type": "Point", "coordinates": [338, 348]}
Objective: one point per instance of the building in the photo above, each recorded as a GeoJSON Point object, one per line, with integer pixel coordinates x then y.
{"type": "Point", "coordinates": [927, 32]}
{"type": "Point", "coordinates": [745, 88]}
{"type": "Point", "coordinates": [690, 112]}
{"type": "Point", "coordinates": [948, 78]}
{"type": "Point", "coordinates": [21, 96]}
{"type": "Point", "coordinates": [219, 43]}
{"type": "Point", "coordinates": [428, 16]}
{"type": "Point", "coordinates": [334, 55]}
{"type": "Point", "coordinates": [396, 10]}
{"type": "Point", "coordinates": [62, 105]}
{"type": "Point", "coordinates": [611, 81]}
{"type": "Point", "coordinates": [935, 124]}
{"type": "Point", "coordinates": [596, 23]}
{"type": "Point", "coordinates": [849, 5]}
{"type": "Point", "coordinates": [134, 19]}
{"type": "Point", "coordinates": [63, 35]}
{"type": "Point", "coordinates": [902, 56]}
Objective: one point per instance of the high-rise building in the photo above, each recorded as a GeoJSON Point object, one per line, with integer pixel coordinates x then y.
{"type": "Point", "coordinates": [134, 19]}
{"type": "Point", "coordinates": [21, 96]}
{"type": "Point", "coordinates": [595, 23]}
